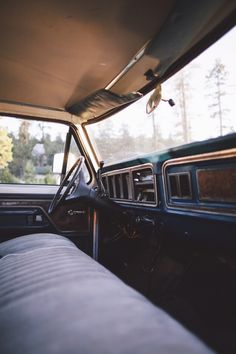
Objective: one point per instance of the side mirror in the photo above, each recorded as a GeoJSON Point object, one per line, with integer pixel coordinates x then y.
{"type": "Point", "coordinates": [58, 162]}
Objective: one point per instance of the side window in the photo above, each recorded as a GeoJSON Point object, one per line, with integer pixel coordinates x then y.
{"type": "Point", "coordinates": [61, 167]}
{"type": "Point", "coordinates": [32, 152]}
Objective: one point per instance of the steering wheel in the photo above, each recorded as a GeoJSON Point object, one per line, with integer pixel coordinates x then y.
{"type": "Point", "coordinates": [70, 188]}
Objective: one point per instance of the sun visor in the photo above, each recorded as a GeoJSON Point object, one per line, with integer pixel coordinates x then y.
{"type": "Point", "coordinates": [100, 103]}
{"type": "Point", "coordinates": [187, 31]}
{"type": "Point", "coordinates": [188, 24]}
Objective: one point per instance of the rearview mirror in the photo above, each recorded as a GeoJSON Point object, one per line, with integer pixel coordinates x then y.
{"type": "Point", "coordinates": [154, 100]}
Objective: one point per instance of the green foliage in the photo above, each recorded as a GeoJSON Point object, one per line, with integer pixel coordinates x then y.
{"type": "Point", "coordinates": [52, 147]}
{"type": "Point", "coordinates": [28, 159]}
{"type": "Point", "coordinates": [29, 173]}
{"type": "Point", "coordinates": [22, 151]}
{"type": "Point", "coordinates": [5, 148]}
{"type": "Point", "coordinates": [123, 145]}
{"type": "Point", "coordinates": [7, 177]}
{"type": "Point", "coordinates": [49, 179]}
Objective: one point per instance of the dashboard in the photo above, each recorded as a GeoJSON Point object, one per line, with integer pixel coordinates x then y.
{"type": "Point", "coordinates": [185, 192]}
{"type": "Point", "coordinates": [202, 183]}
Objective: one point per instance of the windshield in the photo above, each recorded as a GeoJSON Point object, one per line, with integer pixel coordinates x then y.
{"type": "Point", "coordinates": [204, 95]}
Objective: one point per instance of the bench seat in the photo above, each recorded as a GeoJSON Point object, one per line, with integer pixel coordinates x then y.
{"type": "Point", "coordinates": [56, 299]}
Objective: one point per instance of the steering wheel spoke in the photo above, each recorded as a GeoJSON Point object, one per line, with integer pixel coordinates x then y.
{"type": "Point", "coordinates": [70, 185]}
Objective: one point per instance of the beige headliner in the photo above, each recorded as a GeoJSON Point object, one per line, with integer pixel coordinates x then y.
{"type": "Point", "coordinates": [55, 53]}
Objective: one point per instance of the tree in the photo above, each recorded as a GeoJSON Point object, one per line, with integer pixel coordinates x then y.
{"type": "Point", "coordinates": [7, 177]}
{"type": "Point", "coordinates": [216, 80]}
{"type": "Point", "coordinates": [5, 148]}
{"type": "Point", "coordinates": [29, 173]}
{"type": "Point", "coordinates": [52, 147]}
{"type": "Point", "coordinates": [22, 150]}
{"type": "Point", "coordinates": [155, 135]}
{"type": "Point", "coordinates": [24, 132]}
{"type": "Point", "coordinates": [182, 93]}
{"type": "Point", "coordinates": [49, 179]}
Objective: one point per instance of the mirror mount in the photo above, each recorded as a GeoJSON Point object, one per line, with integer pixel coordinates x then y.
{"type": "Point", "coordinates": [170, 101]}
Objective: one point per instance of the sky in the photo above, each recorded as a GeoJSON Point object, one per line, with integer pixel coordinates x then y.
{"type": "Point", "coordinates": [225, 50]}
{"type": "Point", "coordinates": [53, 129]}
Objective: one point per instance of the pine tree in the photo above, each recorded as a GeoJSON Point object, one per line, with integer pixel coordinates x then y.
{"type": "Point", "coordinates": [182, 93]}
{"type": "Point", "coordinates": [216, 80]}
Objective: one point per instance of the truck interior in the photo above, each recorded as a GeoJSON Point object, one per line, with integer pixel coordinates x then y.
{"type": "Point", "coordinates": [117, 177]}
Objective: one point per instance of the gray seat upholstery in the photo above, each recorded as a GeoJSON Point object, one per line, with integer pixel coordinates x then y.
{"type": "Point", "coordinates": [56, 299]}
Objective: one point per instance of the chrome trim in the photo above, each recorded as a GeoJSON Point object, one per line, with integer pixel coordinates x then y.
{"type": "Point", "coordinates": [95, 235]}
{"type": "Point", "coordinates": [131, 192]}
{"type": "Point", "coordinates": [113, 186]}
{"type": "Point", "coordinates": [132, 62]}
{"type": "Point", "coordinates": [223, 154]}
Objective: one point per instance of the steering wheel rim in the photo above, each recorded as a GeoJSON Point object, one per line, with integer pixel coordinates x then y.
{"type": "Point", "coordinates": [58, 197]}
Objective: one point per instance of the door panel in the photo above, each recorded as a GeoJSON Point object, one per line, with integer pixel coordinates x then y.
{"type": "Point", "coordinates": [22, 214]}
{"type": "Point", "coordinates": [18, 221]}
{"type": "Point", "coordinates": [39, 155]}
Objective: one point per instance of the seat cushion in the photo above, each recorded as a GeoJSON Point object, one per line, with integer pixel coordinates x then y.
{"type": "Point", "coordinates": [27, 243]}
{"type": "Point", "coordinates": [56, 299]}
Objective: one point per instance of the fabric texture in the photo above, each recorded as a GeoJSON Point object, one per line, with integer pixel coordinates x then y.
{"type": "Point", "coordinates": [54, 299]}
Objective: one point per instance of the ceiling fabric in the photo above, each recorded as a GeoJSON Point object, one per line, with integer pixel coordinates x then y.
{"type": "Point", "coordinates": [54, 53]}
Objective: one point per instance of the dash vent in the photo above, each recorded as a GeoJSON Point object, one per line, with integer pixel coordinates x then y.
{"type": "Point", "coordinates": [144, 187]}
{"type": "Point", "coordinates": [119, 186]}
{"type": "Point", "coordinates": [126, 186]}
{"type": "Point", "coordinates": [117, 180]}
{"type": "Point", "coordinates": [133, 185]}
{"type": "Point", "coordinates": [111, 186]}
{"type": "Point", "coordinates": [104, 182]}
{"type": "Point", "coordinates": [180, 185]}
